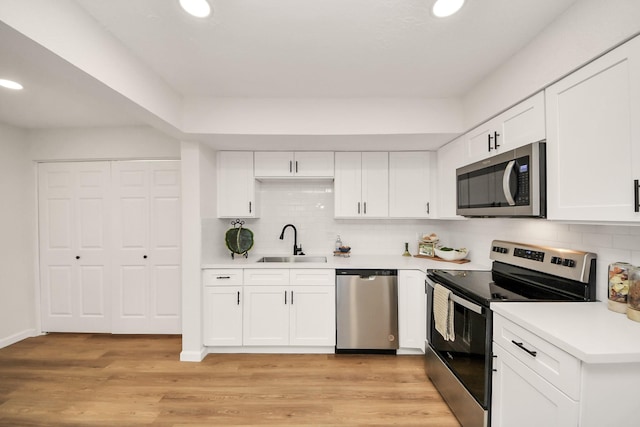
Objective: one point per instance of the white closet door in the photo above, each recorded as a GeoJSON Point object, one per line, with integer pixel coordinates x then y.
{"type": "Point", "coordinates": [146, 214]}
{"type": "Point", "coordinates": [74, 247]}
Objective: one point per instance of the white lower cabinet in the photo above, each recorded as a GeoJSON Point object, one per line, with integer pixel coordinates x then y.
{"type": "Point", "coordinates": [222, 307]}
{"type": "Point", "coordinates": [523, 398]}
{"type": "Point", "coordinates": [412, 310]}
{"type": "Point", "coordinates": [536, 384]}
{"type": "Point", "coordinates": [222, 315]}
{"type": "Point", "coordinates": [269, 308]}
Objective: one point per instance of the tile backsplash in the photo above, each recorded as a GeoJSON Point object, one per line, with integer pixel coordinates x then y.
{"type": "Point", "coordinates": [309, 206]}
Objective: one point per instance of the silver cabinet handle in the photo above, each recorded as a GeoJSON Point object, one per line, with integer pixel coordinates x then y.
{"type": "Point", "coordinates": [428, 208]}
{"type": "Point", "coordinates": [296, 166]}
{"type": "Point", "coordinates": [365, 208]}
{"type": "Point", "coordinates": [636, 195]}
{"type": "Point", "coordinates": [505, 183]}
{"type": "Point", "coordinates": [358, 208]}
{"type": "Point", "coordinates": [290, 166]}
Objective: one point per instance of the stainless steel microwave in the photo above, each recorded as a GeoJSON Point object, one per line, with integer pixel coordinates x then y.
{"type": "Point", "coordinates": [510, 184]}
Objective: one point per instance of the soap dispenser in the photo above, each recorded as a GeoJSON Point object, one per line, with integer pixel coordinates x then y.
{"type": "Point", "coordinates": [338, 243]}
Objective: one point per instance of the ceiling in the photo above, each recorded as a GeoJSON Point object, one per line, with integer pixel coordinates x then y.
{"type": "Point", "coordinates": [278, 48]}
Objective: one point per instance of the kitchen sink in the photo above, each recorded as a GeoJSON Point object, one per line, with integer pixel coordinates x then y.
{"type": "Point", "coordinates": [299, 258]}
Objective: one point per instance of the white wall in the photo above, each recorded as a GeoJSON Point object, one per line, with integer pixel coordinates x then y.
{"type": "Point", "coordinates": [583, 32]}
{"type": "Point", "coordinates": [17, 244]}
{"type": "Point", "coordinates": [326, 116]}
{"type": "Point", "coordinates": [133, 142]}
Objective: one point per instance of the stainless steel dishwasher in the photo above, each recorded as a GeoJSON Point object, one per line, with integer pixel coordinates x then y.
{"type": "Point", "coordinates": [367, 311]}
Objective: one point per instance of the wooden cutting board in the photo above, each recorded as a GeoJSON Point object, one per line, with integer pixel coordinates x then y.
{"type": "Point", "coordinates": [437, 258]}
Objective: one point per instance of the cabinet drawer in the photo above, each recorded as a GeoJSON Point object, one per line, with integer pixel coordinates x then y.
{"type": "Point", "coordinates": [266, 276]}
{"type": "Point", "coordinates": [313, 276]}
{"type": "Point", "coordinates": [553, 364]}
{"type": "Point", "coordinates": [227, 277]}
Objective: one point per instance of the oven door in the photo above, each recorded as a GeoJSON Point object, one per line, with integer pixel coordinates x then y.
{"type": "Point", "coordinates": [468, 356]}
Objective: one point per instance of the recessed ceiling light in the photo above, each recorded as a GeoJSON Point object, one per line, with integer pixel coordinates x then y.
{"type": "Point", "coordinates": [444, 8]}
{"type": "Point", "coordinates": [10, 84]}
{"type": "Point", "coordinates": [197, 8]}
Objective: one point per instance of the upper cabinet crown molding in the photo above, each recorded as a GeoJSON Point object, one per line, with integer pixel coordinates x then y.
{"type": "Point", "coordinates": [287, 164]}
{"type": "Point", "coordinates": [593, 140]}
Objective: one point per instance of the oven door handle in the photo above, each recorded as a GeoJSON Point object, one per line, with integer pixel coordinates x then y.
{"type": "Point", "coordinates": [506, 188]}
{"type": "Point", "coordinates": [467, 304]}
{"type": "Point", "coordinates": [458, 300]}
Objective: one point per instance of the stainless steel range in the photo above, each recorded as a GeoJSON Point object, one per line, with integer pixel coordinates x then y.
{"type": "Point", "coordinates": [461, 366]}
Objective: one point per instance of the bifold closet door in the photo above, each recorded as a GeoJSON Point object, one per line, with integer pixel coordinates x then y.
{"type": "Point", "coordinates": [73, 200]}
{"type": "Point", "coordinates": [146, 290]}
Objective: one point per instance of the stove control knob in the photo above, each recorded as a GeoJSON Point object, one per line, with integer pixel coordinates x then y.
{"type": "Point", "coordinates": [569, 263]}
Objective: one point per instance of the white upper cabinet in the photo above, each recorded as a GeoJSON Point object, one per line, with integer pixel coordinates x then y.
{"type": "Point", "coordinates": [362, 185]}
{"type": "Point", "coordinates": [450, 157]}
{"type": "Point", "coordinates": [410, 184]}
{"type": "Point", "coordinates": [593, 139]}
{"type": "Point", "coordinates": [236, 185]}
{"type": "Point", "coordinates": [304, 164]}
{"type": "Point", "coordinates": [518, 126]}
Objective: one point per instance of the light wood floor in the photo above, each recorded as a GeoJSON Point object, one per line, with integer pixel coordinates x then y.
{"type": "Point", "coordinates": [115, 380]}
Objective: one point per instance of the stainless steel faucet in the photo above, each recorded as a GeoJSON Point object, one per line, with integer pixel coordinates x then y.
{"type": "Point", "coordinates": [297, 250]}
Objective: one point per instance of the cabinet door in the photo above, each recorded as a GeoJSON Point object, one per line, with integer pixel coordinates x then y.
{"type": "Point", "coordinates": [313, 164]}
{"type": "Point", "coordinates": [73, 200]}
{"type": "Point", "coordinates": [412, 309]}
{"type": "Point", "coordinates": [236, 185]}
{"type": "Point", "coordinates": [265, 319]}
{"type": "Point", "coordinates": [522, 124]}
{"type": "Point", "coordinates": [410, 184]}
{"type": "Point", "coordinates": [375, 185]}
{"type": "Point", "coordinates": [348, 185]}
{"type": "Point", "coordinates": [312, 316]}
{"type": "Point", "coordinates": [273, 164]}
{"type": "Point", "coordinates": [480, 141]}
{"type": "Point", "coordinates": [522, 398]}
{"type": "Point", "coordinates": [147, 281]}
{"type": "Point", "coordinates": [593, 139]}
{"type": "Point", "coordinates": [450, 157]}
{"type": "Point", "coordinates": [222, 315]}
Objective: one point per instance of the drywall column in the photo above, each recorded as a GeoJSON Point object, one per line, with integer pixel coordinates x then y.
{"type": "Point", "coordinates": [192, 348]}
{"type": "Point", "coordinates": [18, 243]}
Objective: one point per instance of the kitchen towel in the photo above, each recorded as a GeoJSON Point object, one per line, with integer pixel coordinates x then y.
{"type": "Point", "coordinates": [443, 312]}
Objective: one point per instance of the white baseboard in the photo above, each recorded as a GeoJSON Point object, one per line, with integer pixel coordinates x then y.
{"type": "Point", "coordinates": [12, 339]}
{"type": "Point", "coordinates": [193, 356]}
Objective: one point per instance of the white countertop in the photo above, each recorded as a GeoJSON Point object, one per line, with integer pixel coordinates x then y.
{"type": "Point", "coordinates": [396, 262]}
{"type": "Point", "coordinates": [588, 331]}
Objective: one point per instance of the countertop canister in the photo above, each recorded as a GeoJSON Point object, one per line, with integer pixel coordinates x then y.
{"type": "Point", "coordinates": [618, 286]}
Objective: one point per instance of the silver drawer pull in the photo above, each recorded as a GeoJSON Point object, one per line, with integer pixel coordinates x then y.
{"type": "Point", "coordinates": [521, 346]}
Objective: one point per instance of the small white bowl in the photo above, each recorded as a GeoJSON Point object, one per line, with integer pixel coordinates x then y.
{"type": "Point", "coordinates": [454, 255]}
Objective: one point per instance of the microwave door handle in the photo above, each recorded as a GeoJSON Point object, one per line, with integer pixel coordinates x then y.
{"type": "Point", "coordinates": [505, 183]}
